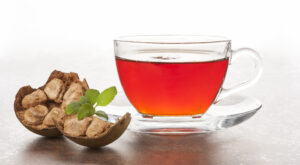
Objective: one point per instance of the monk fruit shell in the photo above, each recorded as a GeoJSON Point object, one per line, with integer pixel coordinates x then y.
{"type": "Point", "coordinates": [92, 132]}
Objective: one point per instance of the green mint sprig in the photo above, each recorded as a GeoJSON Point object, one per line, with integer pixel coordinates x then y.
{"type": "Point", "coordinates": [86, 105]}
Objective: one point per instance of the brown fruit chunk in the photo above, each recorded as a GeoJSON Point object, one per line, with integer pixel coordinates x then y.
{"type": "Point", "coordinates": [48, 121]}
{"type": "Point", "coordinates": [73, 94]}
{"type": "Point", "coordinates": [55, 90]}
{"type": "Point", "coordinates": [35, 115]}
{"type": "Point", "coordinates": [35, 98]}
{"type": "Point", "coordinates": [96, 127]}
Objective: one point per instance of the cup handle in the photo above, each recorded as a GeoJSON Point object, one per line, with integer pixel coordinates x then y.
{"type": "Point", "coordinates": [258, 69]}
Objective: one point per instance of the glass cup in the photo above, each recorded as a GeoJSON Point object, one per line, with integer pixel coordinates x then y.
{"type": "Point", "coordinates": [181, 76]}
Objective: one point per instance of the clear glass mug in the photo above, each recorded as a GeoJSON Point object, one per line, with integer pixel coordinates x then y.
{"type": "Point", "coordinates": [177, 75]}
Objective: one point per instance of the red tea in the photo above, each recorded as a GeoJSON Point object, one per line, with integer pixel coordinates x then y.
{"type": "Point", "coordinates": [167, 88]}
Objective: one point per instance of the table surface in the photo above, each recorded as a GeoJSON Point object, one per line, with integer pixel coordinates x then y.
{"type": "Point", "coordinates": [272, 136]}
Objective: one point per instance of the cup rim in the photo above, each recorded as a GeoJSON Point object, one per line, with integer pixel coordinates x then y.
{"type": "Point", "coordinates": [172, 39]}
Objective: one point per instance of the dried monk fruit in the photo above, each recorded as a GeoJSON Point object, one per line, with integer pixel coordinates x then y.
{"type": "Point", "coordinates": [37, 109]}
{"type": "Point", "coordinates": [65, 105]}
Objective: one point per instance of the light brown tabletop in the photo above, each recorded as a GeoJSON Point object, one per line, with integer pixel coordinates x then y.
{"type": "Point", "coordinates": [272, 136]}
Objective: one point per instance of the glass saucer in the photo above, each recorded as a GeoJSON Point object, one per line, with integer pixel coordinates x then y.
{"type": "Point", "coordinates": [228, 112]}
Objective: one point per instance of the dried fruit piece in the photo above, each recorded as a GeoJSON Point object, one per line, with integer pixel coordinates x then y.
{"type": "Point", "coordinates": [35, 115]}
{"type": "Point", "coordinates": [48, 121]}
{"type": "Point", "coordinates": [35, 98]}
{"type": "Point", "coordinates": [39, 111]}
{"type": "Point", "coordinates": [73, 94]}
{"type": "Point", "coordinates": [96, 127]}
{"type": "Point", "coordinates": [55, 90]}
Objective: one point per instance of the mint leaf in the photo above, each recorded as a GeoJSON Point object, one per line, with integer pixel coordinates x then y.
{"type": "Point", "coordinates": [84, 100]}
{"type": "Point", "coordinates": [85, 105]}
{"type": "Point", "coordinates": [106, 96]}
{"type": "Point", "coordinates": [85, 110]}
{"type": "Point", "coordinates": [81, 114]}
{"type": "Point", "coordinates": [91, 111]}
{"type": "Point", "coordinates": [102, 114]}
{"type": "Point", "coordinates": [72, 108]}
{"type": "Point", "coordinates": [92, 94]}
